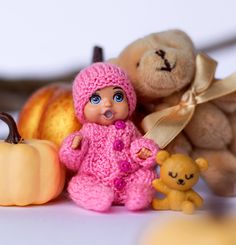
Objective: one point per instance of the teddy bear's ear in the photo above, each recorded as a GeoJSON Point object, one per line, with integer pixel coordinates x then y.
{"type": "Point", "coordinates": [202, 164]}
{"type": "Point", "coordinates": [162, 156]}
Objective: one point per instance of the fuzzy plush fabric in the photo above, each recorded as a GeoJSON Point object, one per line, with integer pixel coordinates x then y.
{"type": "Point", "coordinates": [162, 67]}
{"type": "Point", "coordinates": [108, 169]}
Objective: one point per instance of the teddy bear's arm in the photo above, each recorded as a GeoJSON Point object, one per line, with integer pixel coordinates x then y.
{"type": "Point", "coordinates": [70, 157]}
{"type": "Point", "coordinates": [227, 103]}
{"type": "Point", "coordinates": [209, 128]}
{"type": "Point", "coordinates": [160, 186]}
{"type": "Point", "coordinates": [195, 198]}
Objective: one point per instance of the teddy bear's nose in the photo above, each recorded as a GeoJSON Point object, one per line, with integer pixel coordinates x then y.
{"type": "Point", "coordinates": [161, 53]}
{"type": "Point", "coordinates": [180, 181]}
{"type": "Point", "coordinates": [167, 62]}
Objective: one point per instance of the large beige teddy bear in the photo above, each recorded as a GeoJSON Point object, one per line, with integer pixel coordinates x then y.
{"type": "Point", "coordinates": [162, 67]}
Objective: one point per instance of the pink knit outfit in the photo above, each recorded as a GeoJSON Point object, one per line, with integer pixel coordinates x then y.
{"type": "Point", "coordinates": [108, 169]}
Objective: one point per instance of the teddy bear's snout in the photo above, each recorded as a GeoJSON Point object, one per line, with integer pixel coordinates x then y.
{"type": "Point", "coordinates": [180, 182]}
{"type": "Point", "coordinates": [161, 53]}
{"type": "Point", "coordinates": [168, 63]}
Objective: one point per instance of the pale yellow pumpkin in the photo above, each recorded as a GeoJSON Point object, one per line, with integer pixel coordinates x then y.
{"type": "Point", "coordinates": [30, 171]}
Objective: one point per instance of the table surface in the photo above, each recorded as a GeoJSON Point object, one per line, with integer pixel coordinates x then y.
{"type": "Point", "coordinates": [62, 221]}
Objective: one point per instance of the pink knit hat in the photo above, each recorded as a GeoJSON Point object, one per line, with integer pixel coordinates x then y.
{"type": "Point", "coordinates": [97, 76]}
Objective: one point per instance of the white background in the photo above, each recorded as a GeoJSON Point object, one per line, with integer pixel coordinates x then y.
{"type": "Point", "coordinates": [46, 38]}
{"type": "Point", "coordinates": [52, 36]}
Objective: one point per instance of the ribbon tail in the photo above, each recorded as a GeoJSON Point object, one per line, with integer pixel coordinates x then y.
{"type": "Point", "coordinates": [218, 89]}
{"type": "Point", "coordinates": [163, 126]}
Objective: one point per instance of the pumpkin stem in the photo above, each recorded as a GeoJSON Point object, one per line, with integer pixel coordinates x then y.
{"type": "Point", "coordinates": [14, 136]}
{"type": "Point", "coordinates": [97, 54]}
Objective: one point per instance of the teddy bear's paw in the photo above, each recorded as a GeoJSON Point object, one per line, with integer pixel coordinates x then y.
{"type": "Point", "coordinates": [227, 103]}
{"type": "Point", "coordinates": [222, 185]}
{"type": "Point", "coordinates": [209, 128]}
{"type": "Point", "coordinates": [221, 173]}
{"type": "Point", "coordinates": [232, 146]}
{"type": "Point", "coordinates": [139, 197]}
{"type": "Point", "coordinates": [88, 193]}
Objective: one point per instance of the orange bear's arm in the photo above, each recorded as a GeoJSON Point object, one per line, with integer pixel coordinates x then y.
{"type": "Point", "coordinates": [160, 186]}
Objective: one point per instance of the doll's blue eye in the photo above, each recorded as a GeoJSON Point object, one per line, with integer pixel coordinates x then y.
{"type": "Point", "coordinates": [95, 99]}
{"type": "Point", "coordinates": [118, 97]}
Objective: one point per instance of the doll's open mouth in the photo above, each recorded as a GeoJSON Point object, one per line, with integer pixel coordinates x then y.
{"type": "Point", "coordinates": [108, 114]}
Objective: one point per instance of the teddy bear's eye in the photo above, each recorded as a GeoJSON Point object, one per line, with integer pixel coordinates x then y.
{"type": "Point", "coordinates": [171, 174]}
{"type": "Point", "coordinates": [189, 176]}
{"type": "Point", "coordinates": [137, 64]}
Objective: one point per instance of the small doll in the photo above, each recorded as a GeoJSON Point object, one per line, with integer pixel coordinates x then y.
{"type": "Point", "coordinates": [114, 163]}
{"type": "Point", "coordinates": [178, 174]}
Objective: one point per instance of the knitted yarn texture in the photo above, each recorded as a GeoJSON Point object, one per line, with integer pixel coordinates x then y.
{"type": "Point", "coordinates": [97, 76]}
{"type": "Point", "coordinates": [108, 170]}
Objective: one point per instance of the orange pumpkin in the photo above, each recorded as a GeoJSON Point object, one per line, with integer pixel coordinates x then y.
{"type": "Point", "coordinates": [49, 114]}
{"type": "Point", "coordinates": [30, 171]}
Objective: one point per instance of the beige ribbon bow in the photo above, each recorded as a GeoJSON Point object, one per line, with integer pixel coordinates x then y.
{"type": "Point", "coordinates": [163, 126]}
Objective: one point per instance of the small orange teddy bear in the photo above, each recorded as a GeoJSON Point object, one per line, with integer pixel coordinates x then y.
{"type": "Point", "coordinates": [178, 174]}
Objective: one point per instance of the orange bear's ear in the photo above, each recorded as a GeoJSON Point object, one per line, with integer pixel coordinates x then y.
{"type": "Point", "coordinates": [162, 156]}
{"type": "Point", "coordinates": [202, 164]}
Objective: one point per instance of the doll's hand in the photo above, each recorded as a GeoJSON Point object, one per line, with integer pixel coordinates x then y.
{"type": "Point", "coordinates": [76, 142]}
{"type": "Point", "coordinates": [144, 153]}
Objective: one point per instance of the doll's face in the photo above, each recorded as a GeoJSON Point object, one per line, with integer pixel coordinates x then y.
{"type": "Point", "coordinates": [106, 106]}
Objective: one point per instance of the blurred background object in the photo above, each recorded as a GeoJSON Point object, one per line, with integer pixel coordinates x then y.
{"type": "Point", "coordinates": [50, 41]}
{"type": "Point", "coordinates": [202, 230]}
{"type": "Point", "coordinates": [14, 92]}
